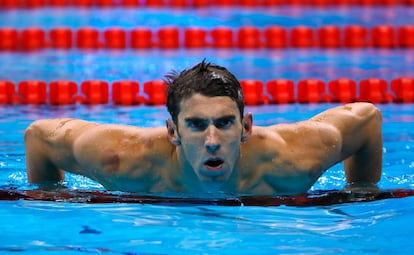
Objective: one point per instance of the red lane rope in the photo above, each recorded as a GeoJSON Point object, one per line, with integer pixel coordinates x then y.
{"type": "Point", "coordinates": [98, 197]}
{"type": "Point", "coordinates": [9, 4]}
{"type": "Point", "coordinates": [256, 92]}
{"type": "Point", "coordinates": [246, 37]}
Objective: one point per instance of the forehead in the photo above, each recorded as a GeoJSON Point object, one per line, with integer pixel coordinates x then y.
{"type": "Point", "coordinates": [207, 107]}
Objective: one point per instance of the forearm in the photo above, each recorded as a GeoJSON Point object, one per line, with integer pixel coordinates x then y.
{"type": "Point", "coordinates": [42, 172]}
{"type": "Point", "coordinates": [39, 167]}
{"type": "Point", "coordinates": [365, 164]}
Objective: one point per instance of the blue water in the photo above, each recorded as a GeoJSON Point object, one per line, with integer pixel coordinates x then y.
{"type": "Point", "coordinates": [370, 228]}
{"type": "Point", "coordinates": [379, 227]}
{"type": "Point", "coordinates": [206, 17]}
{"type": "Point", "coordinates": [262, 65]}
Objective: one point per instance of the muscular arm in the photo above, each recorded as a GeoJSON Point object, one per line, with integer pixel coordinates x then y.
{"type": "Point", "coordinates": [303, 151]}
{"type": "Point", "coordinates": [360, 131]}
{"type": "Point", "coordinates": [120, 157]}
{"type": "Point", "coordinates": [48, 145]}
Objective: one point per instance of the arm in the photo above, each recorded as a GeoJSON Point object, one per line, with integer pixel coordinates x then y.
{"type": "Point", "coordinates": [359, 126]}
{"type": "Point", "coordinates": [125, 158]}
{"type": "Point", "coordinates": [48, 145]}
{"type": "Point", "coordinates": [302, 151]}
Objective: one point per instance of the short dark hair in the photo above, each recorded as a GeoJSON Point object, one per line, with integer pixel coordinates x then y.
{"type": "Point", "coordinates": [206, 79]}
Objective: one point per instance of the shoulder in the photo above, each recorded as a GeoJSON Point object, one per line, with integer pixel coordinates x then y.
{"type": "Point", "coordinates": [292, 147]}
{"type": "Point", "coordinates": [349, 114]}
{"type": "Point", "coordinates": [58, 130]}
{"type": "Point", "coordinates": [123, 138]}
{"type": "Point", "coordinates": [52, 126]}
{"type": "Point", "coordinates": [124, 134]}
{"type": "Point", "coordinates": [288, 158]}
{"type": "Point", "coordinates": [130, 147]}
{"type": "Point", "coordinates": [264, 141]}
{"type": "Point", "coordinates": [360, 108]}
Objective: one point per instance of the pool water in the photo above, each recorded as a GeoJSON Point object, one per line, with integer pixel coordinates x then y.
{"type": "Point", "coordinates": [62, 228]}
{"type": "Point", "coordinates": [35, 227]}
{"type": "Point", "coordinates": [261, 65]}
{"type": "Point", "coordinates": [207, 17]}
{"type": "Point", "coordinates": [40, 227]}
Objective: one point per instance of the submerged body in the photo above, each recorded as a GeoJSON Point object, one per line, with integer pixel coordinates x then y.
{"type": "Point", "coordinates": [210, 149]}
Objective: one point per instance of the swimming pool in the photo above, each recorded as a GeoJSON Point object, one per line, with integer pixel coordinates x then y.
{"type": "Point", "coordinates": [36, 227]}
{"type": "Point", "coordinates": [72, 227]}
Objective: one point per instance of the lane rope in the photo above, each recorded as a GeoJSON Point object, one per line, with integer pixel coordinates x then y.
{"type": "Point", "coordinates": [13, 4]}
{"type": "Point", "coordinates": [170, 38]}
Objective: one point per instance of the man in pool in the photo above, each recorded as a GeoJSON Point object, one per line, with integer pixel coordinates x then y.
{"type": "Point", "coordinates": [209, 145]}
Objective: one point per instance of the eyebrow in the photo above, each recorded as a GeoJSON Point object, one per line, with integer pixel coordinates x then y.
{"type": "Point", "coordinates": [189, 119]}
{"type": "Point", "coordinates": [226, 117]}
{"type": "Point", "coordinates": [232, 117]}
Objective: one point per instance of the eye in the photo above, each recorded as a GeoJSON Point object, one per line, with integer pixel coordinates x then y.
{"type": "Point", "coordinates": [197, 124]}
{"type": "Point", "coordinates": [224, 123]}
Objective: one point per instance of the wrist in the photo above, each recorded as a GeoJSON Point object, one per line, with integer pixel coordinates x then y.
{"type": "Point", "coordinates": [362, 187]}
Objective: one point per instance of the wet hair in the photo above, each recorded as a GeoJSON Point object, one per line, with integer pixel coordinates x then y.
{"type": "Point", "coordinates": [206, 79]}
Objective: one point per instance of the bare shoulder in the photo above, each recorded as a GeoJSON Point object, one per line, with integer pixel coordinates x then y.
{"type": "Point", "coordinates": [289, 157]}
{"type": "Point", "coordinates": [76, 128]}
{"type": "Point", "coordinates": [324, 128]}
{"type": "Point", "coordinates": [359, 108]}
{"type": "Point", "coordinates": [115, 148]}
{"type": "Point", "coordinates": [89, 140]}
{"type": "Point", "coordinates": [268, 139]}
{"type": "Point", "coordinates": [57, 123]}
{"type": "Point", "coordinates": [58, 130]}
{"type": "Point", "coordinates": [349, 112]}
{"type": "Point", "coordinates": [118, 134]}
{"type": "Point", "coordinates": [318, 134]}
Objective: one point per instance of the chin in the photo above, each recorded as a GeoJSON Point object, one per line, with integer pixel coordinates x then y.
{"type": "Point", "coordinates": [218, 175]}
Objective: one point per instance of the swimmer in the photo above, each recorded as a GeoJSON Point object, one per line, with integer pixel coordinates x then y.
{"type": "Point", "coordinates": [209, 145]}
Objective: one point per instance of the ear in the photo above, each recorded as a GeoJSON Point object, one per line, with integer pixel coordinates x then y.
{"type": "Point", "coordinates": [172, 132]}
{"type": "Point", "coordinates": [247, 123]}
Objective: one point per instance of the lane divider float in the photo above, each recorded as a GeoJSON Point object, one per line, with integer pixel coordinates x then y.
{"type": "Point", "coordinates": [12, 4]}
{"type": "Point", "coordinates": [246, 37]}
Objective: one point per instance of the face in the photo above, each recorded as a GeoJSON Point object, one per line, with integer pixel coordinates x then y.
{"type": "Point", "coordinates": [209, 134]}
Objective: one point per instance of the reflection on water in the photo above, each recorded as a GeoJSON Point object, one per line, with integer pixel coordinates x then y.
{"type": "Point", "coordinates": [359, 228]}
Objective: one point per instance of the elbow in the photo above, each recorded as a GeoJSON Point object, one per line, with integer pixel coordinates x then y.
{"type": "Point", "coordinates": [32, 131]}
{"type": "Point", "coordinates": [370, 111]}
{"type": "Point", "coordinates": [371, 123]}
{"type": "Point", "coordinates": [375, 127]}
{"type": "Point", "coordinates": [374, 123]}
{"type": "Point", "coordinates": [376, 114]}
{"type": "Point", "coordinates": [30, 134]}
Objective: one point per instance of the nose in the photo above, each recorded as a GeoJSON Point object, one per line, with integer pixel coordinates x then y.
{"type": "Point", "coordinates": [212, 142]}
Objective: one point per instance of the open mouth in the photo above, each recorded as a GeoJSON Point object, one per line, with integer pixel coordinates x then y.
{"type": "Point", "coordinates": [214, 164]}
